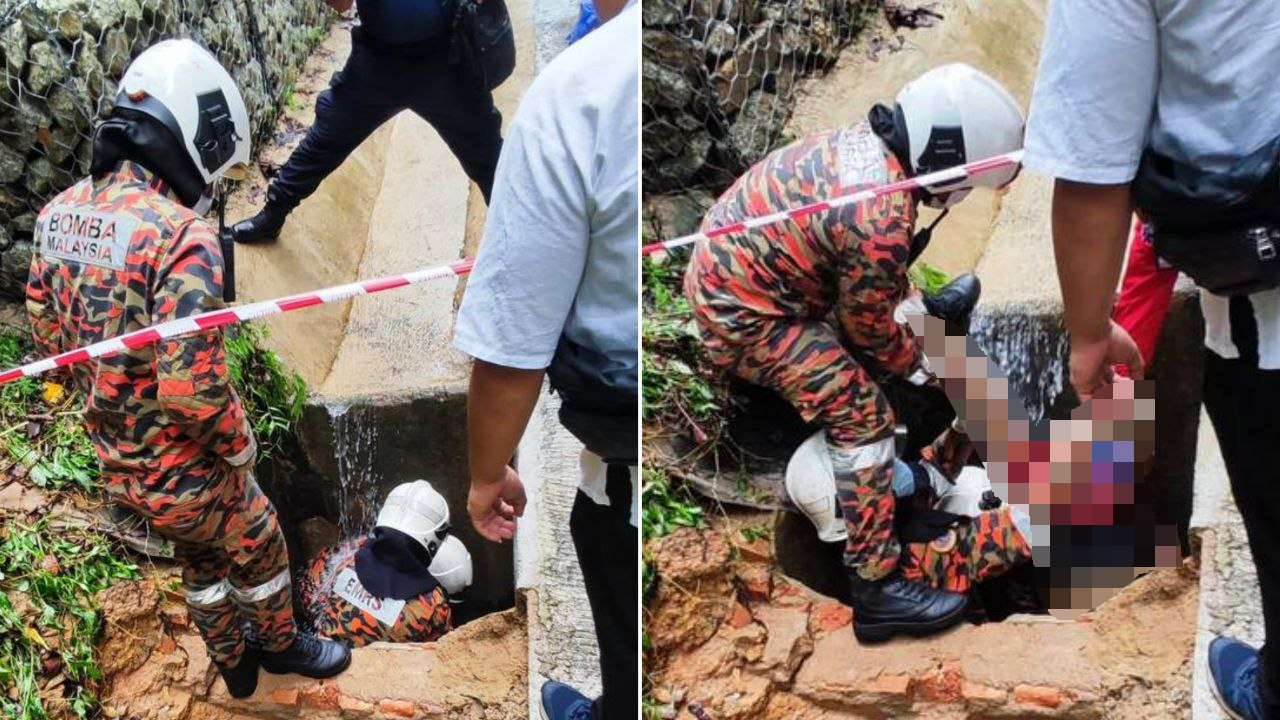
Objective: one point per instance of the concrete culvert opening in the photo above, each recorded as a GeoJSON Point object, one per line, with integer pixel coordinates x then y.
{"type": "Point", "coordinates": [387, 392]}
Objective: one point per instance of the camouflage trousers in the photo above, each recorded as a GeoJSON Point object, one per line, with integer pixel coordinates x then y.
{"type": "Point", "coordinates": [805, 362]}
{"type": "Point", "coordinates": [968, 553]}
{"type": "Point", "coordinates": [235, 566]}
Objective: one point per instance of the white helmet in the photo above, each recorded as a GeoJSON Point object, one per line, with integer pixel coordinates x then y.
{"type": "Point", "coordinates": [451, 566]}
{"type": "Point", "coordinates": [811, 485]}
{"type": "Point", "coordinates": [417, 510]}
{"type": "Point", "coordinates": [180, 84]}
{"type": "Point", "coordinates": [954, 115]}
{"type": "Point", "coordinates": [964, 496]}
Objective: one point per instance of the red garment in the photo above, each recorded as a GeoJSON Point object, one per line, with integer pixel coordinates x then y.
{"type": "Point", "coordinates": [1145, 295]}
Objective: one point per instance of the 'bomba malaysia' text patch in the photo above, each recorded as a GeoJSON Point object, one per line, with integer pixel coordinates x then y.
{"type": "Point", "coordinates": [86, 236]}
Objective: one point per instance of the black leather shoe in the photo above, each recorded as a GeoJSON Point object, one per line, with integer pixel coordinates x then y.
{"type": "Point", "coordinates": [897, 606]}
{"type": "Point", "coordinates": [264, 226]}
{"type": "Point", "coordinates": [956, 301]}
{"type": "Point", "coordinates": [242, 680]}
{"type": "Point", "coordinates": [309, 656]}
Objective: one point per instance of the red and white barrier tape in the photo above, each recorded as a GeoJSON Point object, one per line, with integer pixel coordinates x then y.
{"type": "Point", "coordinates": [219, 318]}
{"type": "Point", "coordinates": [942, 176]}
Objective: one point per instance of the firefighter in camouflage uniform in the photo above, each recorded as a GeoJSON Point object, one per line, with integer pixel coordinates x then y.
{"type": "Point", "coordinates": [806, 307]}
{"type": "Point", "coordinates": [125, 249]}
{"type": "Point", "coordinates": [397, 585]}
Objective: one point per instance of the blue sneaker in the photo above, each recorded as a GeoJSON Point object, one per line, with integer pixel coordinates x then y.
{"type": "Point", "coordinates": [561, 702]}
{"type": "Point", "coordinates": [1234, 670]}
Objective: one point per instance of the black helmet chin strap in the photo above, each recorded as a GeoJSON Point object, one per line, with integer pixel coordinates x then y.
{"type": "Point", "coordinates": [921, 239]}
{"type": "Point", "coordinates": [227, 240]}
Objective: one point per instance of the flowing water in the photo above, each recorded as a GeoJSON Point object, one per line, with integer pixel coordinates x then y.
{"type": "Point", "coordinates": [355, 445]}
{"type": "Point", "coordinates": [1032, 350]}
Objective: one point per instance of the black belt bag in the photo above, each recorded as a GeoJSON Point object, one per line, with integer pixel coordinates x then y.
{"type": "Point", "coordinates": [1221, 229]}
{"type": "Point", "coordinates": [599, 401]}
{"type": "Point", "coordinates": [483, 46]}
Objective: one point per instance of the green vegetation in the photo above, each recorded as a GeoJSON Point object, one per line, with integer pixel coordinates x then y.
{"type": "Point", "coordinates": [273, 395]}
{"type": "Point", "coordinates": [49, 621]}
{"type": "Point", "coordinates": [50, 573]}
{"type": "Point", "coordinates": [927, 277]}
{"type": "Point", "coordinates": [41, 429]}
{"type": "Point", "coordinates": [752, 533]}
{"type": "Point", "coordinates": [666, 507]}
{"type": "Point", "coordinates": [682, 391]}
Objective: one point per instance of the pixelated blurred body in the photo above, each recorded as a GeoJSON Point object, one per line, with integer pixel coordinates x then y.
{"type": "Point", "coordinates": [1080, 480]}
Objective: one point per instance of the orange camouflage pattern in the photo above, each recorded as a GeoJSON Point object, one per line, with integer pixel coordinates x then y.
{"type": "Point", "coordinates": [968, 552]}
{"type": "Point", "coordinates": [806, 307]}
{"type": "Point", "coordinates": [423, 618]}
{"type": "Point", "coordinates": [164, 420]}
{"type": "Point", "coordinates": [971, 550]}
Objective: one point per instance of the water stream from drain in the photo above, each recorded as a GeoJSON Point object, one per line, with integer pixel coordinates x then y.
{"type": "Point", "coordinates": [1032, 351]}
{"type": "Point", "coordinates": [355, 445]}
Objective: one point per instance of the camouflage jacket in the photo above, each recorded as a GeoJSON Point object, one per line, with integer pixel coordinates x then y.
{"type": "Point", "coordinates": [850, 260]}
{"type": "Point", "coordinates": [339, 607]}
{"type": "Point", "coordinates": [119, 254]}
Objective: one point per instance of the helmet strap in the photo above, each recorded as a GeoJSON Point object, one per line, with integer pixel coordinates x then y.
{"type": "Point", "coordinates": [921, 239]}
{"type": "Point", "coordinates": [227, 240]}
{"type": "Point", "coordinates": [891, 127]}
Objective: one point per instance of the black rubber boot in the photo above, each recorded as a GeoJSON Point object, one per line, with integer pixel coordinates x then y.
{"type": "Point", "coordinates": [956, 301]}
{"type": "Point", "coordinates": [897, 606]}
{"type": "Point", "coordinates": [242, 680]}
{"type": "Point", "coordinates": [309, 656]}
{"type": "Point", "coordinates": [264, 226]}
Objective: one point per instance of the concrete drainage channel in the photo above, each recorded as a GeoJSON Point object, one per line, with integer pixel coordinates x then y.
{"type": "Point", "coordinates": [388, 405]}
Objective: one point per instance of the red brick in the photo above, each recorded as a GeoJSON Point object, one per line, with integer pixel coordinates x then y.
{"type": "Point", "coordinates": [355, 706]}
{"type": "Point", "coordinates": [831, 616]}
{"type": "Point", "coordinates": [284, 696]}
{"type": "Point", "coordinates": [739, 616]}
{"type": "Point", "coordinates": [892, 684]}
{"type": "Point", "coordinates": [400, 708]}
{"type": "Point", "coordinates": [978, 693]}
{"type": "Point", "coordinates": [321, 697]}
{"type": "Point", "coordinates": [941, 686]}
{"type": "Point", "coordinates": [1049, 697]}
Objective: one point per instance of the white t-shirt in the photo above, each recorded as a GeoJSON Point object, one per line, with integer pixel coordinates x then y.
{"type": "Point", "coordinates": [1199, 78]}
{"type": "Point", "coordinates": [561, 244]}
{"type": "Point", "coordinates": [560, 249]}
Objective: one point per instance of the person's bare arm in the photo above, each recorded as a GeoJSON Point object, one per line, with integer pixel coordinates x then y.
{"type": "Point", "coordinates": [1090, 230]}
{"type": "Point", "coordinates": [499, 403]}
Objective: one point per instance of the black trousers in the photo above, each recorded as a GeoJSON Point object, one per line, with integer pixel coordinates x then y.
{"type": "Point", "coordinates": [608, 546]}
{"type": "Point", "coordinates": [1243, 402]}
{"type": "Point", "coordinates": [374, 86]}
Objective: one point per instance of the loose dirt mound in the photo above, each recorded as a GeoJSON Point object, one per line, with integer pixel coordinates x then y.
{"type": "Point", "coordinates": [736, 639]}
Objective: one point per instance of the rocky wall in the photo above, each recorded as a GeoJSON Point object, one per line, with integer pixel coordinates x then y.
{"type": "Point", "coordinates": [719, 77]}
{"type": "Point", "coordinates": [63, 58]}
